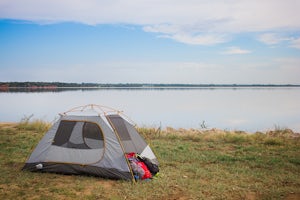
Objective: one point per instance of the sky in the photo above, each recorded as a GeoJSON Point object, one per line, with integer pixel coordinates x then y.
{"type": "Point", "coordinates": [151, 41]}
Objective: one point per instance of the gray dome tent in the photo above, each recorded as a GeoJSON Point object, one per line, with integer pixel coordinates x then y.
{"type": "Point", "coordinates": [82, 142]}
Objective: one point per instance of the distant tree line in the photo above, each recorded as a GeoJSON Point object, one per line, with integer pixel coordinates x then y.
{"type": "Point", "coordinates": [127, 85]}
{"type": "Point", "coordinates": [46, 84]}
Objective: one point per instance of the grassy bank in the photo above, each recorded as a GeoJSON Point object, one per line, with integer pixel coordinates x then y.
{"type": "Point", "coordinates": [211, 164]}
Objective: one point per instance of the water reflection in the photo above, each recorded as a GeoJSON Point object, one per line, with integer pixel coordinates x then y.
{"type": "Point", "coordinates": [208, 87]}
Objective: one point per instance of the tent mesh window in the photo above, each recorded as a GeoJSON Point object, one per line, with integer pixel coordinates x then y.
{"type": "Point", "coordinates": [92, 135]}
{"type": "Point", "coordinates": [120, 126]}
{"type": "Point", "coordinates": [63, 132]}
{"type": "Point", "coordinates": [78, 135]}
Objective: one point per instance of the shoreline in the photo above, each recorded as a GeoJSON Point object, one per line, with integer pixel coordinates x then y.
{"type": "Point", "coordinates": [286, 132]}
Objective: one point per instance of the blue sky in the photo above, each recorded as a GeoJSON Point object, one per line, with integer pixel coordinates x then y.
{"type": "Point", "coordinates": [151, 41]}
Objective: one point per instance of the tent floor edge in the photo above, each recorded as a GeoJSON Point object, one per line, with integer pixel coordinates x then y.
{"type": "Point", "coordinates": [74, 169]}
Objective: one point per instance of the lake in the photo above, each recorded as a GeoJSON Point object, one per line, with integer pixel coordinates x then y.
{"type": "Point", "coordinates": [247, 109]}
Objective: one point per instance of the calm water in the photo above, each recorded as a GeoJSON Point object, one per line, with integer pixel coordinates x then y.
{"type": "Point", "coordinates": [249, 109]}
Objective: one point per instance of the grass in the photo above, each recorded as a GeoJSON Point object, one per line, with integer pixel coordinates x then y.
{"type": "Point", "coordinates": [194, 164]}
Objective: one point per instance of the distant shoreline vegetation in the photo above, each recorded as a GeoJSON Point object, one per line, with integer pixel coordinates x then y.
{"type": "Point", "coordinates": [56, 86]}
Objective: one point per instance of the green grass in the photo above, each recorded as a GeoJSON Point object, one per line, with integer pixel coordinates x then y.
{"type": "Point", "coordinates": [194, 164]}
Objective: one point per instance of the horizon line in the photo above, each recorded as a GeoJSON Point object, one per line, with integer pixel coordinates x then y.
{"type": "Point", "coordinates": [91, 84]}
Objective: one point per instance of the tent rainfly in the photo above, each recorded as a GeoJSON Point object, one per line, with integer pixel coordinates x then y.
{"type": "Point", "coordinates": [82, 142]}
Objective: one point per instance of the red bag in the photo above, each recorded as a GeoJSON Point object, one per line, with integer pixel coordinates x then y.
{"type": "Point", "coordinates": [131, 155]}
{"type": "Point", "coordinates": [146, 170]}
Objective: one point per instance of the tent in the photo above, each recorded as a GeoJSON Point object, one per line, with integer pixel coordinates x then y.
{"type": "Point", "coordinates": [91, 140]}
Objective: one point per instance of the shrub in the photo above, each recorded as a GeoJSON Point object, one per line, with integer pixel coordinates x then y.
{"type": "Point", "coordinates": [35, 125]}
{"type": "Point", "coordinates": [272, 141]}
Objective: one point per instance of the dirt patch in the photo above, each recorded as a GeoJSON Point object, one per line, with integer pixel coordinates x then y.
{"type": "Point", "coordinates": [293, 196]}
{"type": "Point", "coordinates": [106, 184]}
{"type": "Point", "coordinates": [101, 187]}
{"type": "Point", "coordinates": [177, 194]}
{"type": "Point", "coordinates": [251, 196]}
{"type": "Point", "coordinates": [7, 125]}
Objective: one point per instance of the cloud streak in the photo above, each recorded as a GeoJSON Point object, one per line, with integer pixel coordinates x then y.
{"type": "Point", "coordinates": [187, 34]}
{"type": "Point", "coordinates": [235, 51]}
{"type": "Point", "coordinates": [295, 43]}
{"type": "Point", "coordinates": [272, 38]}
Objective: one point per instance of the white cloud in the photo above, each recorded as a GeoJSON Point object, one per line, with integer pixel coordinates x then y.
{"type": "Point", "coordinates": [235, 50]}
{"type": "Point", "coordinates": [241, 15]}
{"type": "Point", "coordinates": [186, 34]}
{"type": "Point", "coordinates": [203, 22]}
{"type": "Point", "coordinates": [272, 38]}
{"type": "Point", "coordinates": [276, 39]}
{"type": "Point", "coordinates": [197, 39]}
{"type": "Point", "coordinates": [295, 43]}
